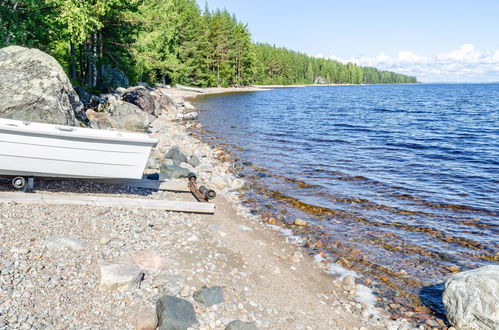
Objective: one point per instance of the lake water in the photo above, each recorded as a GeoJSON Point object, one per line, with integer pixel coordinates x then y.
{"type": "Point", "coordinates": [400, 180]}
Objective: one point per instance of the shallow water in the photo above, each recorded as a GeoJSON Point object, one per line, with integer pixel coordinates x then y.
{"type": "Point", "coordinates": [401, 180]}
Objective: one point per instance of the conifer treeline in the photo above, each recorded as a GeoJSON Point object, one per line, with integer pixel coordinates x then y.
{"type": "Point", "coordinates": [164, 41]}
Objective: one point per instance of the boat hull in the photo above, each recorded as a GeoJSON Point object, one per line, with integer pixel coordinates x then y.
{"type": "Point", "coordinates": [43, 150]}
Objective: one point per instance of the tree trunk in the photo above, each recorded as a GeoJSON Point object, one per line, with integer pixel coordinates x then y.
{"type": "Point", "coordinates": [94, 59]}
{"type": "Point", "coordinates": [101, 56]}
{"type": "Point", "coordinates": [72, 63]}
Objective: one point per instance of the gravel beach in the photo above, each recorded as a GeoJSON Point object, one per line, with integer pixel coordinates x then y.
{"type": "Point", "coordinates": [58, 263]}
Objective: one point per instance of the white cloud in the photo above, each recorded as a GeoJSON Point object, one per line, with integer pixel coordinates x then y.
{"type": "Point", "coordinates": [463, 64]}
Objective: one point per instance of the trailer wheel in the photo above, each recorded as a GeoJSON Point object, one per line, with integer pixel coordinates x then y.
{"type": "Point", "coordinates": [19, 183]}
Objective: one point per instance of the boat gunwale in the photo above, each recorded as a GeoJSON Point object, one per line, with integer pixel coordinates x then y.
{"type": "Point", "coordinates": [79, 136]}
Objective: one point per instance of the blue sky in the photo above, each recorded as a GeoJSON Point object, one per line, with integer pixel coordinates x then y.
{"type": "Point", "coordinates": [439, 40]}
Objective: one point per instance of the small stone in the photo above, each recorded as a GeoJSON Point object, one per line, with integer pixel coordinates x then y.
{"type": "Point", "coordinates": [190, 116]}
{"type": "Point", "coordinates": [245, 228]}
{"type": "Point", "coordinates": [120, 275]}
{"type": "Point", "coordinates": [175, 313]}
{"type": "Point", "coordinates": [300, 222]}
{"type": "Point", "coordinates": [104, 240]}
{"type": "Point", "coordinates": [432, 323]}
{"type": "Point", "coordinates": [272, 221]}
{"type": "Point", "coordinates": [64, 242]}
{"type": "Point", "coordinates": [453, 269]}
{"type": "Point", "coordinates": [210, 296]}
{"type": "Point", "coordinates": [295, 259]}
{"type": "Point", "coordinates": [344, 262]}
{"type": "Point", "coordinates": [193, 161]}
{"type": "Point", "coordinates": [349, 280]}
{"type": "Point", "coordinates": [240, 325]}
{"type": "Point", "coordinates": [145, 319]}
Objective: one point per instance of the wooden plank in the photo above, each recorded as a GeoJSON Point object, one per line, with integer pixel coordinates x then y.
{"type": "Point", "coordinates": [176, 206]}
{"type": "Point", "coordinates": [146, 184]}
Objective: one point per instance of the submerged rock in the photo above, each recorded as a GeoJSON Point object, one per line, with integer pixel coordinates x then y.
{"type": "Point", "coordinates": [471, 298]}
{"type": "Point", "coordinates": [34, 87]}
{"type": "Point", "coordinates": [300, 222]}
{"type": "Point", "coordinates": [175, 313]}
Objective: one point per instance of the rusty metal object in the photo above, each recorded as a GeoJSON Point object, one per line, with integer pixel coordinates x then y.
{"type": "Point", "coordinates": [202, 193]}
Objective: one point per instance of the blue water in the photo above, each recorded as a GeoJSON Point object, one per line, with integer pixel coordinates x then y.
{"type": "Point", "coordinates": [406, 174]}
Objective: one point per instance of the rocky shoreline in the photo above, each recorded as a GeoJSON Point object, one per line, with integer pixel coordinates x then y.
{"type": "Point", "coordinates": [80, 267]}
{"type": "Point", "coordinates": [75, 267]}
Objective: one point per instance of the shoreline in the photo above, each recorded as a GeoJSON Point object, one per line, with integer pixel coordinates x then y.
{"type": "Point", "coordinates": [337, 272]}
{"type": "Point", "coordinates": [268, 278]}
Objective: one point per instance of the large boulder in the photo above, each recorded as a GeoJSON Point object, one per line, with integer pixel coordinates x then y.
{"type": "Point", "coordinates": [140, 97]}
{"type": "Point", "coordinates": [164, 102]}
{"type": "Point", "coordinates": [120, 115]}
{"type": "Point", "coordinates": [34, 87]}
{"type": "Point", "coordinates": [471, 299]}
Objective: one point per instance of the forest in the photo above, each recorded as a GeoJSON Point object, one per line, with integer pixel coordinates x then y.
{"type": "Point", "coordinates": [105, 43]}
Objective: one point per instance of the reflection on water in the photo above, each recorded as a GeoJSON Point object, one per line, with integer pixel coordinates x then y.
{"type": "Point", "coordinates": [401, 180]}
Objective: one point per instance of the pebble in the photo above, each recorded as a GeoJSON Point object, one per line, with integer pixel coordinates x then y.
{"type": "Point", "coordinates": [300, 222]}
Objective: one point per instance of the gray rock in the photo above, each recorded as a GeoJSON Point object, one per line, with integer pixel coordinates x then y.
{"type": "Point", "coordinates": [193, 160]}
{"type": "Point", "coordinates": [176, 155]}
{"type": "Point", "coordinates": [64, 242]}
{"type": "Point", "coordinates": [189, 116]}
{"type": "Point", "coordinates": [140, 97]}
{"type": "Point", "coordinates": [34, 87]}
{"type": "Point", "coordinates": [210, 296]}
{"type": "Point", "coordinates": [113, 78]}
{"type": "Point", "coordinates": [99, 120]}
{"type": "Point", "coordinates": [84, 96]}
{"type": "Point", "coordinates": [175, 313]}
{"type": "Point", "coordinates": [126, 116]}
{"type": "Point", "coordinates": [121, 90]}
{"type": "Point", "coordinates": [120, 275]}
{"type": "Point", "coordinates": [240, 325]}
{"type": "Point", "coordinates": [471, 299]}
{"type": "Point", "coordinates": [168, 162]}
{"type": "Point", "coordinates": [238, 165]}
{"type": "Point", "coordinates": [163, 102]}
{"type": "Point", "coordinates": [174, 171]}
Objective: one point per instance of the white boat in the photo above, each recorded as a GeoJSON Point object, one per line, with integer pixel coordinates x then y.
{"type": "Point", "coordinates": [43, 150]}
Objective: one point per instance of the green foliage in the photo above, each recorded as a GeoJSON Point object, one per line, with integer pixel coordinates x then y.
{"type": "Point", "coordinates": [166, 41]}
{"type": "Point", "coordinates": [283, 66]}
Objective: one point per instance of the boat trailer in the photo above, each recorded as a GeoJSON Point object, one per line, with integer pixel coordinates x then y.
{"type": "Point", "coordinates": [202, 194]}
